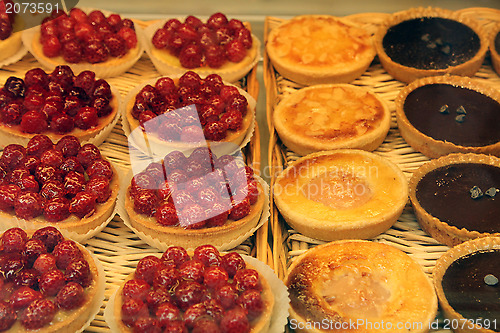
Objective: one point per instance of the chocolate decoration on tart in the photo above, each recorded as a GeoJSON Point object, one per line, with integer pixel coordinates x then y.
{"type": "Point", "coordinates": [439, 115]}
{"type": "Point", "coordinates": [456, 197]}
{"type": "Point", "coordinates": [424, 42]}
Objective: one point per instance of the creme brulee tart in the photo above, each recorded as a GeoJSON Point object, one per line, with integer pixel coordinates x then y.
{"type": "Point", "coordinates": [339, 194]}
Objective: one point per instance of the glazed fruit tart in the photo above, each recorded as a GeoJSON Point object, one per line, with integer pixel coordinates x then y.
{"type": "Point", "coordinates": [447, 114]}
{"type": "Point", "coordinates": [11, 47]}
{"type": "Point", "coordinates": [341, 194]}
{"type": "Point", "coordinates": [331, 116]}
{"type": "Point", "coordinates": [56, 104]}
{"type": "Point", "coordinates": [320, 49]}
{"type": "Point", "coordinates": [48, 283]}
{"type": "Point", "coordinates": [466, 282]}
{"type": "Point", "coordinates": [86, 40]}
{"type": "Point", "coordinates": [455, 197]}
{"type": "Point", "coordinates": [187, 110]}
{"type": "Point", "coordinates": [66, 184]}
{"type": "Point", "coordinates": [359, 286]}
{"type": "Point", "coordinates": [189, 201]}
{"type": "Point", "coordinates": [207, 291]}
{"type": "Point", "coordinates": [424, 42]}
{"type": "Point", "coordinates": [219, 45]}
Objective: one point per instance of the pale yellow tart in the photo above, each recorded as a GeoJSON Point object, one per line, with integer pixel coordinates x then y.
{"type": "Point", "coordinates": [192, 238]}
{"type": "Point", "coordinates": [326, 117]}
{"type": "Point", "coordinates": [341, 194]}
{"type": "Point", "coordinates": [359, 286]}
{"type": "Point", "coordinates": [314, 49]}
{"type": "Point", "coordinates": [258, 325]}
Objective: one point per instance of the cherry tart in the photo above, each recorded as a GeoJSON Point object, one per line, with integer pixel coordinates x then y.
{"type": "Point", "coordinates": [48, 283]}
{"type": "Point", "coordinates": [83, 40]}
{"type": "Point", "coordinates": [10, 39]}
{"type": "Point", "coordinates": [219, 45]}
{"type": "Point", "coordinates": [189, 201]}
{"type": "Point", "coordinates": [64, 184]}
{"type": "Point", "coordinates": [206, 292]}
{"type": "Point", "coordinates": [185, 110]}
{"type": "Point", "coordinates": [56, 104]}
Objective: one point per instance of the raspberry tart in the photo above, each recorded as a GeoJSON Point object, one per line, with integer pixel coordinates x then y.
{"type": "Point", "coordinates": [187, 110]}
{"type": "Point", "coordinates": [326, 117]}
{"type": "Point", "coordinates": [86, 40]}
{"type": "Point", "coordinates": [341, 194]}
{"type": "Point", "coordinates": [189, 201]}
{"type": "Point", "coordinates": [359, 286]}
{"type": "Point", "coordinates": [440, 115]}
{"type": "Point", "coordinates": [67, 185]}
{"type": "Point", "coordinates": [422, 42]}
{"type": "Point", "coordinates": [320, 49]}
{"type": "Point", "coordinates": [48, 283]}
{"type": "Point", "coordinates": [455, 197]}
{"type": "Point", "coordinates": [57, 104]}
{"type": "Point", "coordinates": [219, 45]}
{"type": "Point", "coordinates": [205, 292]}
{"type": "Point", "coordinates": [10, 36]}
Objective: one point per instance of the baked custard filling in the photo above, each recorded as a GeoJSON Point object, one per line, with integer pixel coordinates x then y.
{"type": "Point", "coordinates": [471, 286]}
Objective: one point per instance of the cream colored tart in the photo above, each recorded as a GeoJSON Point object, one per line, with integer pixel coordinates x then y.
{"type": "Point", "coordinates": [258, 325]}
{"type": "Point", "coordinates": [449, 114]}
{"type": "Point", "coordinates": [14, 133]}
{"type": "Point", "coordinates": [191, 238]}
{"type": "Point", "coordinates": [341, 194]}
{"type": "Point", "coordinates": [359, 286]}
{"type": "Point", "coordinates": [326, 117]}
{"type": "Point", "coordinates": [315, 49]}
{"type": "Point", "coordinates": [495, 48]}
{"type": "Point", "coordinates": [423, 42]}
{"type": "Point", "coordinates": [466, 282]}
{"type": "Point", "coordinates": [455, 197]}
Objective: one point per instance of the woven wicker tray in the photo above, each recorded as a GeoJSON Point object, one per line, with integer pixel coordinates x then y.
{"type": "Point", "coordinates": [406, 233]}
{"type": "Point", "coordinates": [117, 247]}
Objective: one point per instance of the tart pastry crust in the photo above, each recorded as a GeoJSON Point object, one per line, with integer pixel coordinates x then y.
{"type": "Point", "coordinates": [444, 262]}
{"type": "Point", "coordinates": [316, 49]}
{"type": "Point", "coordinates": [428, 145]}
{"type": "Point", "coordinates": [408, 74]}
{"type": "Point", "coordinates": [360, 282]}
{"type": "Point", "coordinates": [327, 117]}
{"type": "Point", "coordinates": [439, 230]}
{"type": "Point", "coordinates": [341, 194]}
{"type": "Point", "coordinates": [495, 56]}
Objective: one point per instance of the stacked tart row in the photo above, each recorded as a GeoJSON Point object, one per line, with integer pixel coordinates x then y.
{"type": "Point", "coordinates": [109, 45]}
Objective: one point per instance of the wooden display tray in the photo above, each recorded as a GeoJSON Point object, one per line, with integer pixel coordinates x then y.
{"type": "Point", "coordinates": [406, 233]}
{"type": "Point", "coordinates": [117, 247]}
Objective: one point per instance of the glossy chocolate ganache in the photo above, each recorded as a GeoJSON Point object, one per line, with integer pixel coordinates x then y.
{"type": "Point", "coordinates": [431, 43]}
{"type": "Point", "coordinates": [455, 114]}
{"type": "Point", "coordinates": [472, 289]}
{"type": "Point", "coordinates": [465, 195]}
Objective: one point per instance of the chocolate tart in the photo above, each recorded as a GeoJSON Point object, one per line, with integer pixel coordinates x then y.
{"type": "Point", "coordinates": [423, 42]}
{"type": "Point", "coordinates": [448, 114]}
{"type": "Point", "coordinates": [316, 49]}
{"type": "Point", "coordinates": [495, 48]}
{"type": "Point", "coordinates": [259, 324]}
{"type": "Point", "coordinates": [341, 194]}
{"type": "Point", "coordinates": [466, 282]}
{"type": "Point", "coordinates": [326, 117]}
{"type": "Point", "coordinates": [67, 320]}
{"type": "Point", "coordinates": [455, 197]}
{"type": "Point", "coordinates": [350, 286]}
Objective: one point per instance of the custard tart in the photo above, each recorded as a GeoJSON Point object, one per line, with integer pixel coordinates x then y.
{"type": "Point", "coordinates": [316, 49]}
{"type": "Point", "coordinates": [359, 286]}
{"type": "Point", "coordinates": [423, 42]}
{"type": "Point", "coordinates": [466, 282]}
{"type": "Point", "coordinates": [340, 194]}
{"type": "Point", "coordinates": [333, 116]}
{"type": "Point", "coordinates": [455, 197]}
{"type": "Point", "coordinates": [449, 114]}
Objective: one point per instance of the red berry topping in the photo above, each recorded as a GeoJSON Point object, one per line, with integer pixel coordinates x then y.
{"type": "Point", "coordinates": [7, 316]}
{"type": "Point", "coordinates": [83, 204]}
{"type": "Point", "coordinates": [99, 187]}
{"type": "Point", "coordinates": [189, 293]}
{"type": "Point", "coordinates": [44, 263]}
{"type": "Point", "coordinates": [68, 145]}
{"type": "Point", "coordinates": [38, 314]}
{"type": "Point", "coordinates": [8, 195]}
{"type": "Point", "coordinates": [65, 252]}
{"type": "Point", "coordinates": [214, 277]}
{"type": "Point", "coordinates": [78, 271]}
{"type": "Point", "coordinates": [166, 278]}
{"type": "Point", "coordinates": [28, 205]}
{"type": "Point", "coordinates": [87, 154]}
{"type": "Point", "coordinates": [51, 282]}
{"type": "Point", "coordinates": [192, 270]}
{"type": "Point", "coordinates": [34, 122]}
{"type": "Point", "coordinates": [166, 313]}
{"type": "Point", "coordinates": [32, 250]}
{"type": "Point", "coordinates": [157, 297]}
{"type": "Point", "coordinates": [71, 296]}
{"type": "Point", "coordinates": [176, 255]}
{"type": "Point", "coordinates": [14, 240]}
{"type": "Point", "coordinates": [100, 167]}
{"type": "Point", "coordinates": [23, 296]}
{"type": "Point", "coordinates": [132, 309]}
{"type": "Point", "coordinates": [147, 325]}
{"type": "Point", "coordinates": [146, 268]}
{"type": "Point", "coordinates": [226, 295]}
{"type": "Point", "coordinates": [208, 255]}
{"type": "Point", "coordinates": [136, 289]}
{"type": "Point", "coordinates": [232, 262]}
{"type": "Point", "coordinates": [235, 321]}
{"type": "Point", "coordinates": [50, 236]}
